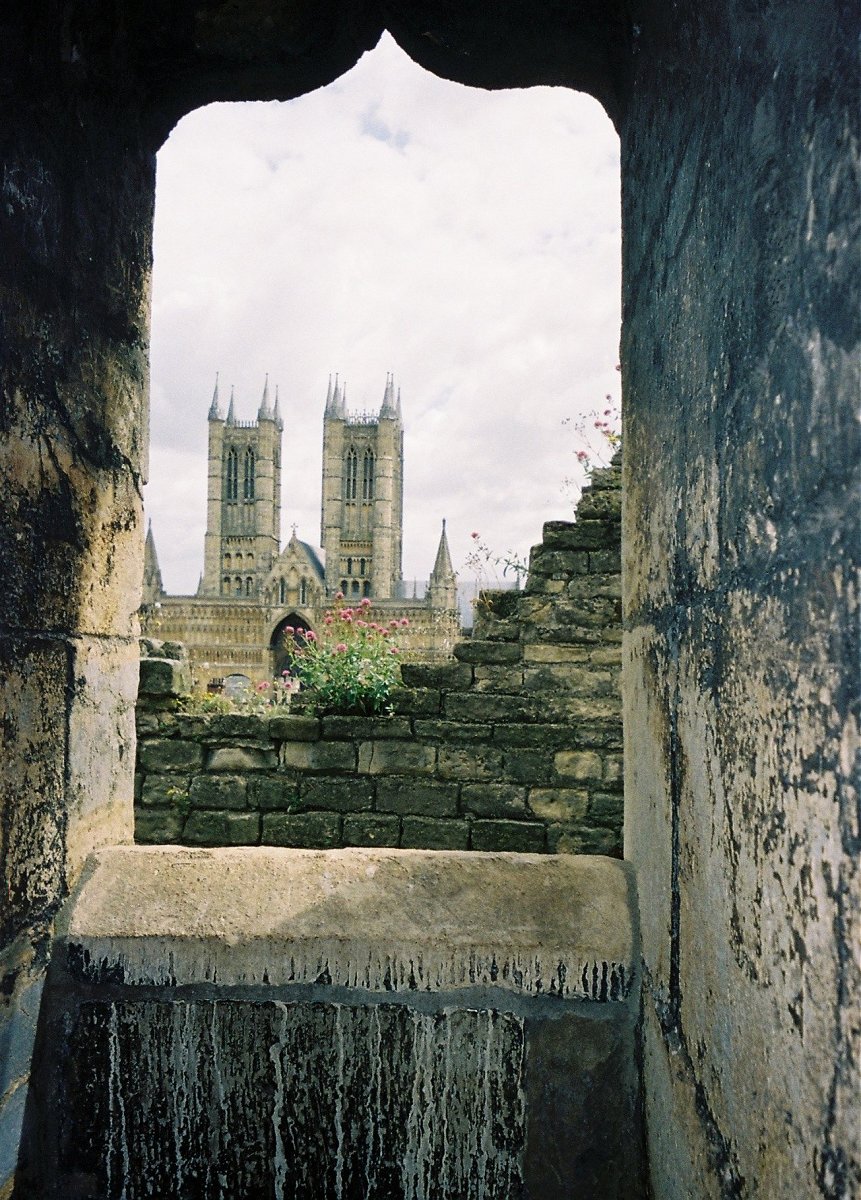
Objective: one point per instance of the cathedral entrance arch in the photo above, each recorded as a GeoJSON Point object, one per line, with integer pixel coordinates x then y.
{"type": "Point", "coordinates": [286, 636]}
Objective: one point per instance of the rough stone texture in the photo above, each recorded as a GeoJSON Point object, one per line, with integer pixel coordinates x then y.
{"type": "Point", "coordinates": [253, 1022]}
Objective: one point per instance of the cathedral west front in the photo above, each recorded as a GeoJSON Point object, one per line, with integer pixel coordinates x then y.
{"type": "Point", "coordinates": [251, 589]}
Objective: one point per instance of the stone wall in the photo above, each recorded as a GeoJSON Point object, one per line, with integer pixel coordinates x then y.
{"type": "Point", "coordinates": [515, 745]}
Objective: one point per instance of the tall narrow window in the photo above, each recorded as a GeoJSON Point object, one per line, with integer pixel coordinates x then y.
{"type": "Point", "coordinates": [366, 588]}
{"type": "Point", "coordinates": [303, 590]}
{"type": "Point", "coordinates": [282, 590]}
{"type": "Point", "coordinates": [352, 473]}
{"type": "Point", "coordinates": [349, 566]}
{"type": "Point", "coordinates": [232, 475]}
{"type": "Point", "coordinates": [368, 475]}
{"type": "Point", "coordinates": [225, 587]}
{"type": "Point", "coordinates": [248, 489]}
{"type": "Point", "coordinates": [239, 585]}
{"type": "Point", "coordinates": [249, 584]}
{"type": "Point", "coordinates": [362, 564]}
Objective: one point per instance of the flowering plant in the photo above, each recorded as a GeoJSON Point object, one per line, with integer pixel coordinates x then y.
{"type": "Point", "coordinates": [351, 665]}
{"type": "Point", "coordinates": [258, 698]}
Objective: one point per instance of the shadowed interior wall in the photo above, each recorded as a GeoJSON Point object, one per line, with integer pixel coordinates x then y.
{"type": "Point", "coordinates": [738, 125]}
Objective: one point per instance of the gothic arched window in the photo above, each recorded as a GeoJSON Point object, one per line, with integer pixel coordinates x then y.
{"type": "Point", "coordinates": [239, 585]}
{"type": "Point", "coordinates": [366, 588]}
{"type": "Point", "coordinates": [303, 590]}
{"type": "Point", "coordinates": [225, 586]}
{"type": "Point", "coordinates": [352, 472]}
{"type": "Point", "coordinates": [368, 475]}
{"type": "Point", "coordinates": [355, 587]}
{"type": "Point", "coordinates": [232, 484]}
{"type": "Point", "coordinates": [349, 566]}
{"type": "Point", "coordinates": [344, 586]}
{"type": "Point", "coordinates": [362, 562]}
{"type": "Point", "coordinates": [249, 584]}
{"type": "Point", "coordinates": [248, 483]}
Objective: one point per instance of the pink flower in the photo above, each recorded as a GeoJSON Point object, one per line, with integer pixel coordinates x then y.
{"type": "Point", "coordinates": [347, 616]}
{"type": "Point", "coordinates": [339, 595]}
{"type": "Point", "coordinates": [289, 629]}
{"type": "Point", "coordinates": [474, 535]}
{"type": "Point", "coordinates": [328, 620]}
{"type": "Point", "coordinates": [405, 621]}
{"type": "Point", "coordinates": [365, 603]}
{"type": "Point", "coordinates": [341, 648]}
{"type": "Point", "coordinates": [362, 624]}
{"type": "Point", "coordinates": [393, 650]}
{"type": "Point", "coordinates": [310, 635]}
{"type": "Point", "coordinates": [394, 623]}
{"type": "Point", "coordinates": [262, 686]}
{"type": "Point", "coordinates": [608, 412]}
{"type": "Point", "coordinates": [285, 673]}
{"type": "Point", "coordinates": [582, 456]}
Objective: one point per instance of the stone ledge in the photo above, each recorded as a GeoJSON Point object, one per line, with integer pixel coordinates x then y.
{"type": "Point", "coordinates": [524, 923]}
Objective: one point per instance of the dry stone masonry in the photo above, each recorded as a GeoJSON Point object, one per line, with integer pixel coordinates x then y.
{"type": "Point", "coordinates": [514, 745]}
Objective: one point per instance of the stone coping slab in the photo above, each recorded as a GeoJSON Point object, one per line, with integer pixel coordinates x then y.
{"type": "Point", "coordinates": [378, 920]}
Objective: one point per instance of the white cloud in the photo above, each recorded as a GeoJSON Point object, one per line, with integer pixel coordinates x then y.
{"type": "Point", "coordinates": [466, 240]}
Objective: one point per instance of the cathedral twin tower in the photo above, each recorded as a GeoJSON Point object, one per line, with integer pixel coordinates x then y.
{"type": "Point", "coordinates": [362, 500]}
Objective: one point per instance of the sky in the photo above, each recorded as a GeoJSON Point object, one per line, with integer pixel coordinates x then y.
{"type": "Point", "coordinates": [467, 241]}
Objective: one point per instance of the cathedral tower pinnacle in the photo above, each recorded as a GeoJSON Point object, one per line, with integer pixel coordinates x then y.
{"type": "Point", "coordinates": [362, 506]}
{"type": "Point", "coordinates": [243, 518]}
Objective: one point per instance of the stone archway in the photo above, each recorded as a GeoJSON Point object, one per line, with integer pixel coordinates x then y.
{"type": "Point", "coordinates": [286, 636]}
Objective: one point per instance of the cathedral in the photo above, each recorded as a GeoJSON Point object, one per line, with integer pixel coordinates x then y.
{"type": "Point", "coordinates": [251, 590]}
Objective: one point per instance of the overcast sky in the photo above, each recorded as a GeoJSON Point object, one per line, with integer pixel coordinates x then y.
{"type": "Point", "coordinates": [467, 241]}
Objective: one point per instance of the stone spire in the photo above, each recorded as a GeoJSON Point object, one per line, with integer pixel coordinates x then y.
{"type": "Point", "coordinates": [153, 587]}
{"type": "Point", "coordinates": [231, 412]}
{"type": "Point", "coordinates": [329, 399]}
{"type": "Point", "coordinates": [215, 413]}
{"type": "Point", "coordinates": [442, 585]}
{"type": "Point", "coordinates": [335, 406]}
{"type": "Point", "coordinates": [388, 409]}
{"type": "Point", "coordinates": [276, 411]}
{"type": "Point", "coordinates": [264, 413]}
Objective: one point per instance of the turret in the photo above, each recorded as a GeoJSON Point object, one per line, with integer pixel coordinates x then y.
{"type": "Point", "coordinates": [215, 413]}
{"type": "Point", "coordinates": [442, 586]}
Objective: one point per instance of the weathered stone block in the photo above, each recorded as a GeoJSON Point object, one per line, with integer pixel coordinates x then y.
{"type": "Point", "coordinates": [560, 563]}
{"type": "Point", "coordinates": [525, 836]}
{"type": "Point", "coordinates": [164, 790]}
{"type": "Point", "coordinates": [469, 763]}
{"type": "Point", "coordinates": [318, 756]}
{"type": "Point", "coordinates": [357, 728]}
{"type": "Point", "coordinates": [146, 723]}
{"type": "Point", "coordinates": [294, 728]}
{"type": "Point", "coordinates": [396, 758]}
{"type": "Point", "coordinates": [580, 839]}
{"type": "Point", "coordinates": [607, 586]}
{"type": "Point", "coordinates": [493, 800]}
{"type": "Point", "coordinates": [444, 676]}
{"type": "Point", "coordinates": [372, 829]}
{"type": "Point", "coordinates": [558, 804]}
{"type": "Point", "coordinates": [541, 652]}
{"type": "Point", "coordinates": [606, 733]}
{"type": "Point", "coordinates": [425, 833]}
{"type": "Point", "coordinates": [498, 679]}
{"type": "Point", "coordinates": [337, 795]}
{"type": "Point", "coordinates": [474, 707]}
{"type": "Point", "coordinates": [606, 808]}
{"type": "Point", "coordinates": [241, 758]}
{"type": "Point", "coordinates": [452, 731]}
{"type": "Point", "coordinates": [554, 678]}
{"type": "Point", "coordinates": [265, 793]}
{"type": "Point", "coordinates": [427, 797]}
{"type": "Point", "coordinates": [487, 652]}
{"type": "Point", "coordinates": [170, 754]}
{"type": "Point", "coordinates": [579, 765]}
{"type": "Point", "coordinates": [582, 535]}
{"type": "Point", "coordinates": [159, 826]}
{"type": "Point", "coordinates": [313, 830]}
{"type": "Point", "coordinates": [605, 562]}
{"type": "Point", "coordinates": [240, 729]}
{"type": "Point", "coordinates": [163, 677]}
{"type": "Point", "coordinates": [219, 828]}
{"type": "Point", "coordinates": [415, 701]}
{"type": "Point", "coordinates": [528, 766]}
{"type": "Point", "coordinates": [218, 791]}
{"type": "Point", "coordinates": [550, 737]}
{"type": "Point", "coordinates": [614, 768]}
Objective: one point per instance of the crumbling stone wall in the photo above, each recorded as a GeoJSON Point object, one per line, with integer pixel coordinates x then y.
{"type": "Point", "coordinates": [515, 745]}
